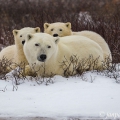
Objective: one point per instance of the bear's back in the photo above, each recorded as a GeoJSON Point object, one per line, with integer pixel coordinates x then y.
{"type": "Point", "coordinates": [79, 45]}
{"type": "Point", "coordinates": [78, 41]}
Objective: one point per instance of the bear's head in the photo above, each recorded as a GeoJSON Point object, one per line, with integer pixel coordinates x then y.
{"type": "Point", "coordinates": [20, 35]}
{"type": "Point", "coordinates": [40, 47]}
{"type": "Point", "coordinates": [58, 29]}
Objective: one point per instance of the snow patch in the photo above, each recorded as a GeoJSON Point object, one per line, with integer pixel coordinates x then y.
{"type": "Point", "coordinates": [88, 95]}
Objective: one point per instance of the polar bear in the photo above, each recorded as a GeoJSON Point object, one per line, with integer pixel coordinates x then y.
{"type": "Point", "coordinates": [14, 53]}
{"type": "Point", "coordinates": [58, 29]}
{"type": "Point", "coordinates": [98, 39]}
{"type": "Point", "coordinates": [52, 55]}
{"type": "Point", "coordinates": [64, 29]}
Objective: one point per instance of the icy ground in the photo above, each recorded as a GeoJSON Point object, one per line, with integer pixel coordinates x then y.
{"type": "Point", "coordinates": [89, 95]}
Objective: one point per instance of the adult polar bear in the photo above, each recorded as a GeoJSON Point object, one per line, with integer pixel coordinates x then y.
{"type": "Point", "coordinates": [15, 53]}
{"type": "Point", "coordinates": [64, 29]}
{"type": "Point", "coordinates": [48, 53]}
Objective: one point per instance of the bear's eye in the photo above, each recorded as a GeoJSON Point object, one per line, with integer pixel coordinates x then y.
{"type": "Point", "coordinates": [60, 29]}
{"type": "Point", "coordinates": [36, 44]}
{"type": "Point", "coordinates": [20, 35]}
{"type": "Point", "coordinates": [49, 46]}
{"type": "Point", "coordinates": [51, 29]}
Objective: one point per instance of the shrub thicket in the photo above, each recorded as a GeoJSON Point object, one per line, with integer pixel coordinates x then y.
{"type": "Point", "coordinates": [101, 16]}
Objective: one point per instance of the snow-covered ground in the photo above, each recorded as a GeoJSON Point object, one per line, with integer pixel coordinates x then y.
{"type": "Point", "coordinates": [89, 95]}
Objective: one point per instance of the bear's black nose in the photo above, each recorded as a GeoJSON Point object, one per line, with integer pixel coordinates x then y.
{"type": "Point", "coordinates": [42, 57]}
{"type": "Point", "coordinates": [55, 35]}
{"type": "Point", "coordinates": [23, 42]}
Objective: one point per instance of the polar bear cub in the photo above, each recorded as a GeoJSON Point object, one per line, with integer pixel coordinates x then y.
{"type": "Point", "coordinates": [15, 53]}
{"type": "Point", "coordinates": [48, 53]}
{"type": "Point", "coordinates": [64, 29]}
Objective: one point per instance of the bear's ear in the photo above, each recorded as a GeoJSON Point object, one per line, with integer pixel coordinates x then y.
{"type": "Point", "coordinates": [15, 32]}
{"type": "Point", "coordinates": [37, 29]}
{"type": "Point", "coordinates": [68, 24]}
{"type": "Point", "coordinates": [57, 40]}
{"type": "Point", "coordinates": [46, 25]}
{"type": "Point", "coordinates": [29, 36]}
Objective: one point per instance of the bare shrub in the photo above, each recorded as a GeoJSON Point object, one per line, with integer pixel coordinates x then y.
{"type": "Point", "coordinates": [4, 66]}
{"type": "Point", "coordinates": [79, 68]}
{"type": "Point", "coordinates": [101, 16]}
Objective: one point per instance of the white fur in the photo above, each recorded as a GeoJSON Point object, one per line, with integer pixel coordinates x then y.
{"type": "Point", "coordinates": [61, 49]}
{"type": "Point", "coordinates": [55, 28]}
{"type": "Point", "coordinates": [15, 52]}
{"type": "Point", "coordinates": [98, 39]}
{"type": "Point", "coordinates": [67, 31]}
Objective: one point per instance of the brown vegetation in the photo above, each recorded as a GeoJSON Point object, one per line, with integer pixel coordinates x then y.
{"type": "Point", "coordinates": [105, 14]}
{"type": "Point", "coordinates": [101, 16]}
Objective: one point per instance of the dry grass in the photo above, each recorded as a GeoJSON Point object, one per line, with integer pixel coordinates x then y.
{"type": "Point", "coordinates": [79, 69]}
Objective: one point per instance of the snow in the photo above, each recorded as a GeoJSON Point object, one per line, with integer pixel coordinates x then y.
{"type": "Point", "coordinates": [89, 95]}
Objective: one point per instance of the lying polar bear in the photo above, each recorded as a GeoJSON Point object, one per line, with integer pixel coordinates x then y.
{"type": "Point", "coordinates": [47, 53]}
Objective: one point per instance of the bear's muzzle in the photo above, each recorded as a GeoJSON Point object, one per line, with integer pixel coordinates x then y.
{"type": "Point", "coordinates": [23, 42]}
{"type": "Point", "coordinates": [42, 58]}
